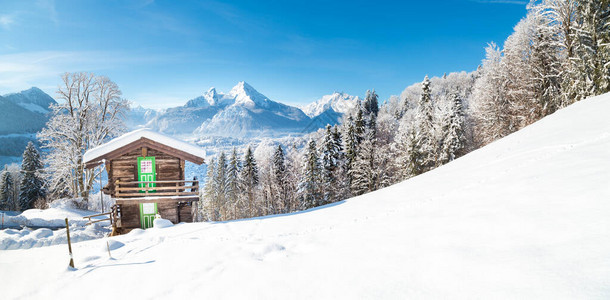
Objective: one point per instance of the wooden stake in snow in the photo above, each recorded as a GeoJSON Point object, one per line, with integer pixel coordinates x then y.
{"type": "Point", "coordinates": [108, 247]}
{"type": "Point", "coordinates": [69, 244]}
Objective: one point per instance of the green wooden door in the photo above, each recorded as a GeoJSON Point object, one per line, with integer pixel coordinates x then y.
{"type": "Point", "coordinates": [147, 172]}
{"type": "Point", "coordinates": [147, 214]}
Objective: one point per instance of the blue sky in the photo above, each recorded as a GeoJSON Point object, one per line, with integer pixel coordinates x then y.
{"type": "Point", "coordinates": [162, 53]}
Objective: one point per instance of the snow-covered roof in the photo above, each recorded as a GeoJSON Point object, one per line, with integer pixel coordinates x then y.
{"type": "Point", "coordinates": [101, 151]}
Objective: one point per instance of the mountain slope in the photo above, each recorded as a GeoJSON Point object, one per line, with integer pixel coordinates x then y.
{"type": "Point", "coordinates": [524, 217]}
{"type": "Point", "coordinates": [33, 99]}
{"type": "Point", "coordinates": [25, 112]}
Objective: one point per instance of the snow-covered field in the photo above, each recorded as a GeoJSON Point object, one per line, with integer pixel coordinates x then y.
{"type": "Point", "coordinates": [30, 234]}
{"type": "Point", "coordinates": [525, 217]}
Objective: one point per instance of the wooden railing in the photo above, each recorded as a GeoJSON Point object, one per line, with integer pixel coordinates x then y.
{"type": "Point", "coordinates": [112, 216]}
{"type": "Point", "coordinates": [131, 189]}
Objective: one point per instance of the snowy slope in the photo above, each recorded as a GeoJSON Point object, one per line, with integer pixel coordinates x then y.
{"type": "Point", "coordinates": [524, 217]}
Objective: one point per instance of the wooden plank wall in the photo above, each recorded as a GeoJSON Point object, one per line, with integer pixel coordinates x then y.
{"type": "Point", "coordinates": [124, 168]}
{"type": "Point", "coordinates": [130, 213]}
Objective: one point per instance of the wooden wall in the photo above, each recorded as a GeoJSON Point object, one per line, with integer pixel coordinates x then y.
{"type": "Point", "coordinates": [130, 213]}
{"type": "Point", "coordinates": [124, 168]}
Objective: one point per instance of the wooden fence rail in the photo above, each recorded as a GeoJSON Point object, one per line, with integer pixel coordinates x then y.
{"type": "Point", "coordinates": [127, 189]}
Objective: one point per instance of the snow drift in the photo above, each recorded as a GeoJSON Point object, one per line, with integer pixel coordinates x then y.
{"type": "Point", "coordinates": [524, 217]}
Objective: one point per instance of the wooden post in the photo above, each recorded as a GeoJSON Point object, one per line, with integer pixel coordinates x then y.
{"type": "Point", "coordinates": [108, 247]}
{"type": "Point", "coordinates": [69, 244]}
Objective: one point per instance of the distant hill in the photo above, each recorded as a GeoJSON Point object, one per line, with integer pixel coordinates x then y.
{"type": "Point", "coordinates": [22, 115]}
{"type": "Point", "coordinates": [24, 112]}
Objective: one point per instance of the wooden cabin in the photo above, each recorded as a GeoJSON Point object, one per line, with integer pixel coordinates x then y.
{"type": "Point", "coordinates": [146, 177]}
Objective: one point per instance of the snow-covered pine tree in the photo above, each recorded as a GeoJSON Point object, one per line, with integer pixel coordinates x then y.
{"type": "Point", "coordinates": [331, 155]}
{"type": "Point", "coordinates": [371, 104]}
{"type": "Point", "coordinates": [359, 125]}
{"type": "Point", "coordinates": [454, 132]}
{"type": "Point", "coordinates": [7, 201]}
{"type": "Point", "coordinates": [365, 171]}
{"type": "Point", "coordinates": [309, 186]}
{"type": "Point", "coordinates": [207, 208]}
{"type": "Point", "coordinates": [232, 192]}
{"type": "Point", "coordinates": [221, 187]}
{"type": "Point", "coordinates": [32, 185]}
{"type": "Point", "coordinates": [280, 175]}
{"type": "Point", "coordinates": [340, 176]}
{"type": "Point", "coordinates": [426, 142]}
{"type": "Point", "coordinates": [351, 150]}
{"type": "Point", "coordinates": [249, 181]}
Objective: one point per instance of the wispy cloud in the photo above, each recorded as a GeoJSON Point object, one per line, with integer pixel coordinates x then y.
{"type": "Point", "coordinates": [6, 21]}
{"type": "Point", "coordinates": [19, 71]}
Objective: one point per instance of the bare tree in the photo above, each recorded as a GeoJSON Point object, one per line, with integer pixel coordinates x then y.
{"type": "Point", "coordinates": [90, 111]}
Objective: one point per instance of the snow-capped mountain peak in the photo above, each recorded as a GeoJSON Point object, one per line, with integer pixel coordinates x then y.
{"type": "Point", "coordinates": [339, 102]}
{"type": "Point", "coordinates": [244, 94]}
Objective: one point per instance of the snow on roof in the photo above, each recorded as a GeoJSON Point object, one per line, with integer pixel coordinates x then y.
{"type": "Point", "coordinates": [135, 135]}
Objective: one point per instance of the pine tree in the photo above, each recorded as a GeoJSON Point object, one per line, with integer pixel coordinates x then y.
{"type": "Point", "coordinates": [351, 150]}
{"type": "Point", "coordinates": [426, 142]}
{"type": "Point", "coordinates": [340, 186]}
{"type": "Point", "coordinates": [232, 192]}
{"type": "Point", "coordinates": [309, 187]}
{"type": "Point", "coordinates": [7, 201]}
{"type": "Point", "coordinates": [412, 163]}
{"type": "Point", "coordinates": [454, 132]}
{"type": "Point", "coordinates": [359, 126]}
{"type": "Point", "coordinates": [330, 162]}
{"type": "Point", "coordinates": [249, 181]}
{"type": "Point", "coordinates": [371, 104]}
{"type": "Point", "coordinates": [221, 187]}
{"type": "Point", "coordinates": [365, 171]}
{"type": "Point", "coordinates": [31, 183]}
{"type": "Point", "coordinates": [280, 177]}
{"type": "Point", "coordinates": [207, 208]}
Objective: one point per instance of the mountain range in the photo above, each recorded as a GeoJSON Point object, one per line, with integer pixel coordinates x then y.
{"type": "Point", "coordinates": [244, 112]}
{"type": "Point", "coordinates": [241, 113]}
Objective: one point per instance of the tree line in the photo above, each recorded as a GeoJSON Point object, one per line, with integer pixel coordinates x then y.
{"type": "Point", "coordinates": [558, 54]}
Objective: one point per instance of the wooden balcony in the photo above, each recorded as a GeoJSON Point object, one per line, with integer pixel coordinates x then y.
{"type": "Point", "coordinates": [156, 191]}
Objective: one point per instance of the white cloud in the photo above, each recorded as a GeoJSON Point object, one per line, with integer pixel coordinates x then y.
{"type": "Point", "coordinates": [20, 71]}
